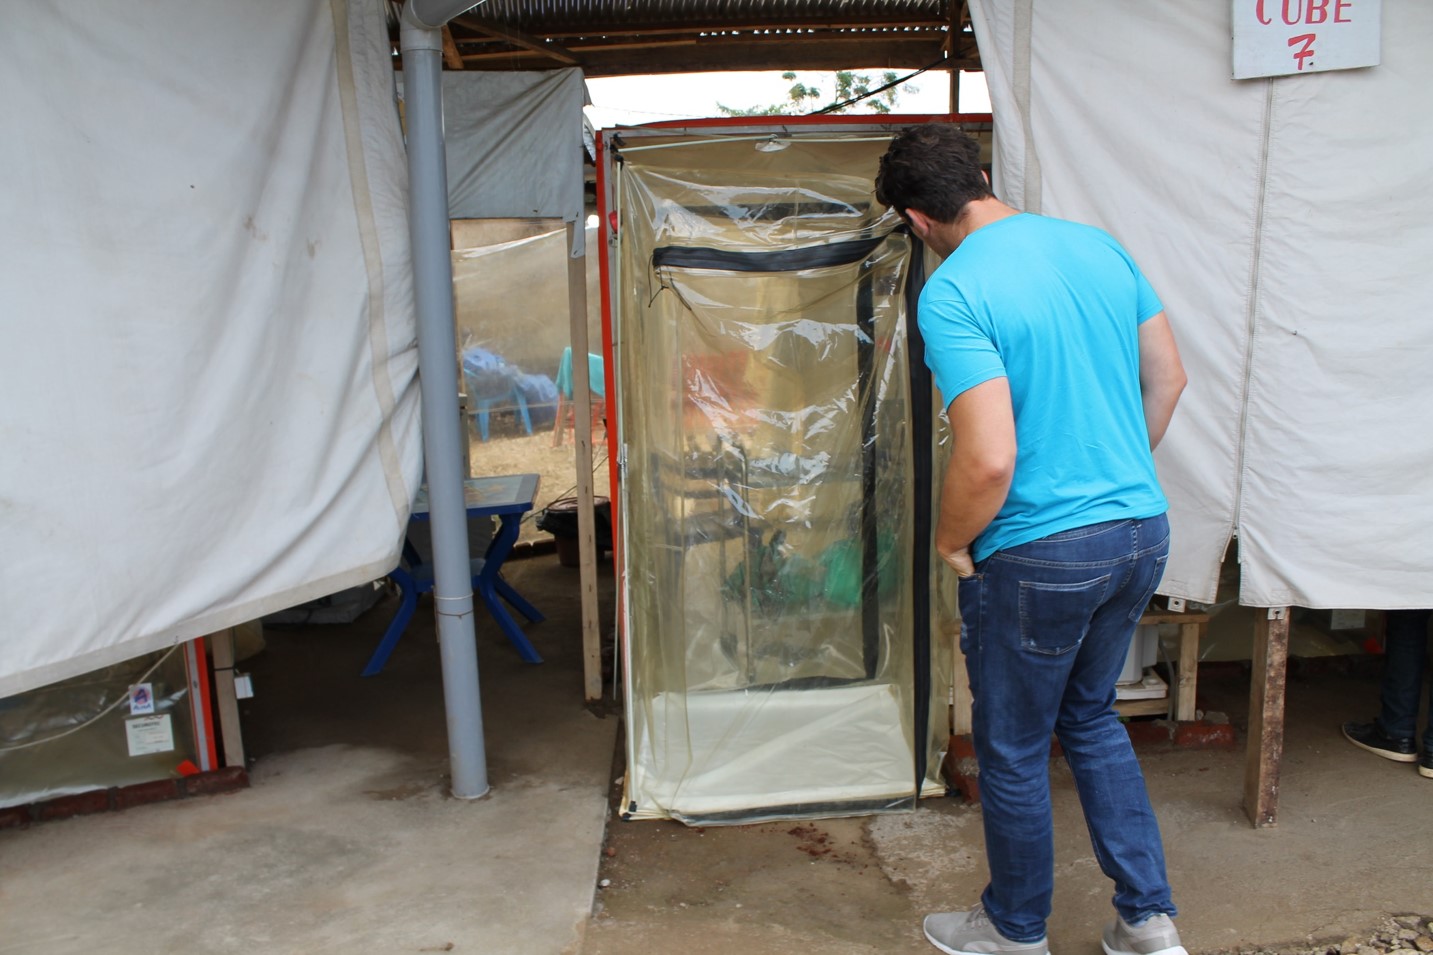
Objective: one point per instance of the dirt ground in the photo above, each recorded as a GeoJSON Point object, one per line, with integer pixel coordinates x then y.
{"type": "Point", "coordinates": [1343, 860]}
{"type": "Point", "coordinates": [770, 888]}
{"type": "Point", "coordinates": [509, 451]}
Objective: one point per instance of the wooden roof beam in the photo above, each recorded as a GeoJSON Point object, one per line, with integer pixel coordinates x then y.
{"type": "Point", "coordinates": [519, 39]}
{"type": "Point", "coordinates": [451, 58]}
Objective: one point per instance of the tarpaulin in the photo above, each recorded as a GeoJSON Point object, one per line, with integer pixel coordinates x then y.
{"type": "Point", "coordinates": [1285, 224]}
{"type": "Point", "coordinates": [514, 145]}
{"type": "Point", "coordinates": [207, 393]}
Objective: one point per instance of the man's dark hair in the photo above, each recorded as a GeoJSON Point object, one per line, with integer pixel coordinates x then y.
{"type": "Point", "coordinates": [934, 168]}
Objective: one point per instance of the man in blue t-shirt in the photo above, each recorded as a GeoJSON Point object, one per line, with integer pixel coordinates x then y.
{"type": "Point", "coordinates": [1060, 373]}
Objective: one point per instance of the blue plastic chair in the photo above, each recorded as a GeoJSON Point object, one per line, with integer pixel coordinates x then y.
{"type": "Point", "coordinates": [540, 393]}
{"type": "Point", "coordinates": [493, 385]}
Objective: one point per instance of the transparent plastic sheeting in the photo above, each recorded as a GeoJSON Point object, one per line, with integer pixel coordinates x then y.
{"type": "Point", "coordinates": [513, 321]}
{"type": "Point", "coordinates": [768, 492]}
{"type": "Point", "coordinates": [70, 737]}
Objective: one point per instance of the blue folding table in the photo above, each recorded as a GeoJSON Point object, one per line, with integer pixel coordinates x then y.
{"type": "Point", "coordinates": [507, 498]}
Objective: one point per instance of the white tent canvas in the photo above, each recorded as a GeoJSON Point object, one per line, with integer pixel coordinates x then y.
{"type": "Point", "coordinates": [207, 395]}
{"type": "Point", "coordinates": [1287, 227]}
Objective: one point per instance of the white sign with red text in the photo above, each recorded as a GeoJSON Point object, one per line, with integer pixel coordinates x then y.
{"type": "Point", "coordinates": [1288, 37]}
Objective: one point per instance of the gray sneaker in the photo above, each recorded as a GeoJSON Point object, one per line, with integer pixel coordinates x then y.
{"type": "Point", "coordinates": [1156, 935]}
{"type": "Point", "coordinates": [970, 933]}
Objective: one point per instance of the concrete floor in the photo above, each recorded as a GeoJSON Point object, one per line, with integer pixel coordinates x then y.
{"type": "Point", "coordinates": [347, 841]}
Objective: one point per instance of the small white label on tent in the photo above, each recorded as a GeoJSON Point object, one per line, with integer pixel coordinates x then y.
{"type": "Point", "coordinates": [141, 699]}
{"type": "Point", "coordinates": [243, 686]}
{"type": "Point", "coordinates": [1345, 619]}
{"type": "Point", "coordinates": [1289, 37]}
{"type": "Point", "coordinates": [149, 734]}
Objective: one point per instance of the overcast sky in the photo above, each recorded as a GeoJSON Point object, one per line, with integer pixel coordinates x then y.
{"type": "Point", "coordinates": [630, 100]}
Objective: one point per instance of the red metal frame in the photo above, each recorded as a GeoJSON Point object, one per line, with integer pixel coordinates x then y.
{"type": "Point", "coordinates": [201, 708]}
{"type": "Point", "coordinates": [864, 119]}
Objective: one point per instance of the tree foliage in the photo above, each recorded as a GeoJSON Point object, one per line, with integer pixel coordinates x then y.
{"type": "Point", "coordinates": [802, 98]}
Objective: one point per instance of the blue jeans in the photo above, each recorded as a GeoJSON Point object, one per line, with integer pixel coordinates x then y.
{"type": "Point", "coordinates": [1046, 627]}
{"type": "Point", "coordinates": [1405, 652]}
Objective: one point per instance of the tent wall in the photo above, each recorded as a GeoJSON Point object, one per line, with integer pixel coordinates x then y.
{"type": "Point", "coordinates": [207, 396]}
{"type": "Point", "coordinates": [513, 143]}
{"type": "Point", "coordinates": [1283, 223]}
{"type": "Point", "coordinates": [774, 664]}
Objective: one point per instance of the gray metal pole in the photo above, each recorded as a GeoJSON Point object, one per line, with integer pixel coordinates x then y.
{"type": "Point", "coordinates": [438, 377]}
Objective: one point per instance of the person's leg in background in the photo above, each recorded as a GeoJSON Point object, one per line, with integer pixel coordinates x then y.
{"type": "Point", "coordinates": [1405, 655]}
{"type": "Point", "coordinates": [1392, 734]}
{"type": "Point", "coordinates": [1404, 670]}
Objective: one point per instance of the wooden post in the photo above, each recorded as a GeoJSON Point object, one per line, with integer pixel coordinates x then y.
{"type": "Point", "coordinates": [226, 701]}
{"type": "Point", "coordinates": [959, 13]}
{"type": "Point", "coordinates": [582, 431]}
{"type": "Point", "coordinates": [1187, 681]}
{"type": "Point", "coordinates": [1264, 750]}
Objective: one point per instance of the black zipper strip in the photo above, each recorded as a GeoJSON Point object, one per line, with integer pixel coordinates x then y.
{"type": "Point", "coordinates": [787, 260]}
{"type": "Point", "coordinates": [923, 465]}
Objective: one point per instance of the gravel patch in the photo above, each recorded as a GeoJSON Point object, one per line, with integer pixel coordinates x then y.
{"type": "Point", "coordinates": [1395, 935]}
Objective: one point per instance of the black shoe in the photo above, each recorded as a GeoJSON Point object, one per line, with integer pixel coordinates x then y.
{"type": "Point", "coordinates": [1368, 736]}
{"type": "Point", "coordinates": [1425, 764]}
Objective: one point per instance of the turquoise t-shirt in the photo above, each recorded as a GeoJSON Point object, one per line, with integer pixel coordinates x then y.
{"type": "Point", "coordinates": [1054, 307]}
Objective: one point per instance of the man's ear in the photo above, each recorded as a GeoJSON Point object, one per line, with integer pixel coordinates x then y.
{"type": "Point", "coordinates": [920, 223]}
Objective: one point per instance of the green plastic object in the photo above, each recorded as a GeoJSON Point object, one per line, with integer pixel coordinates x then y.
{"type": "Point", "coordinates": [842, 561]}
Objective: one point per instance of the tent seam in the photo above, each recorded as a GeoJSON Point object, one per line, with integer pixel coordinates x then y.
{"type": "Point", "coordinates": [1030, 186]}
{"type": "Point", "coordinates": [372, 261]}
{"type": "Point", "coordinates": [1252, 290]}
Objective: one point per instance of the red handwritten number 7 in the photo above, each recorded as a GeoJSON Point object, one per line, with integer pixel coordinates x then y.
{"type": "Point", "coordinates": [1307, 50]}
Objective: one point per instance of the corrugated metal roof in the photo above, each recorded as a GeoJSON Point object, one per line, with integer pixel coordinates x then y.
{"type": "Point", "coordinates": [607, 37]}
{"type": "Point", "coordinates": [607, 15]}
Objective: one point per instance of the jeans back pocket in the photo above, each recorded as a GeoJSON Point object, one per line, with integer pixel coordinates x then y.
{"type": "Point", "coordinates": [1055, 616]}
{"type": "Point", "coordinates": [1150, 586]}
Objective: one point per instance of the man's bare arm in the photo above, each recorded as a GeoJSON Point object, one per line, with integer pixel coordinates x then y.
{"type": "Point", "coordinates": [982, 463]}
{"type": "Point", "coordinates": [1161, 376]}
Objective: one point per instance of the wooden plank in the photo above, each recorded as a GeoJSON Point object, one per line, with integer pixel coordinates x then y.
{"type": "Point", "coordinates": [226, 701]}
{"type": "Point", "coordinates": [1264, 748]}
{"type": "Point", "coordinates": [1156, 707]}
{"type": "Point", "coordinates": [582, 430]}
